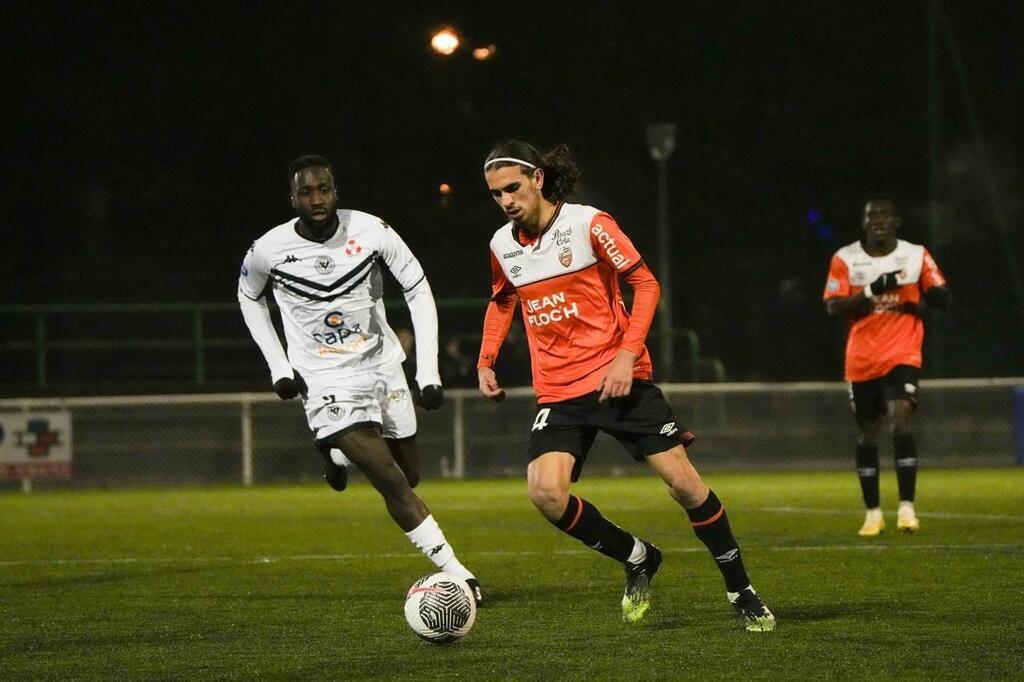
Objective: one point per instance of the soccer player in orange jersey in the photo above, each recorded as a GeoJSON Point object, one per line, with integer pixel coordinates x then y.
{"type": "Point", "coordinates": [880, 284]}
{"type": "Point", "coordinates": [591, 371]}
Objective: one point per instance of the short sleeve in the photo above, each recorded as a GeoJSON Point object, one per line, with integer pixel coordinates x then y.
{"type": "Point", "coordinates": [838, 283]}
{"type": "Point", "coordinates": [931, 276]}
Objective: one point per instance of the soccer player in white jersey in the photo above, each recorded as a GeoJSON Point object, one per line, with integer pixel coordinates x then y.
{"type": "Point", "coordinates": [880, 285]}
{"type": "Point", "coordinates": [343, 359]}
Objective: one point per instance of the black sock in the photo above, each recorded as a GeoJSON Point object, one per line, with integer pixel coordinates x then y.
{"type": "Point", "coordinates": [906, 464]}
{"type": "Point", "coordinates": [867, 471]}
{"type": "Point", "coordinates": [582, 521]}
{"type": "Point", "coordinates": [711, 525]}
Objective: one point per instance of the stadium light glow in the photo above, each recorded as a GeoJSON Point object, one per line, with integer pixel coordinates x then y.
{"type": "Point", "coordinates": [445, 41]}
{"type": "Point", "coordinates": [482, 54]}
{"type": "Point", "coordinates": [444, 189]}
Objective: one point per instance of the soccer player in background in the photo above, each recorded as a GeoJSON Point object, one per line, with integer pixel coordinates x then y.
{"type": "Point", "coordinates": [880, 284]}
{"type": "Point", "coordinates": [343, 359]}
{"type": "Point", "coordinates": [591, 369]}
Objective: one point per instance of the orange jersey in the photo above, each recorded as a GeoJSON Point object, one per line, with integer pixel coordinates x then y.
{"type": "Point", "coordinates": [567, 281]}
{"type": "Point", "coordinates": [887, 336]}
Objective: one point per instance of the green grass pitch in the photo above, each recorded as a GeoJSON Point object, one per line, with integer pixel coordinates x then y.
{"type": "Point", "coordinates": [302, 582]}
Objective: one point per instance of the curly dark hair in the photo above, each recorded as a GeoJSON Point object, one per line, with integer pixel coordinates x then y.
{"type": "Point", "coordinates": [560, 173]}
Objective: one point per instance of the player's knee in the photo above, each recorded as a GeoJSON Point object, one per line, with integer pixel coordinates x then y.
{"type": "Point", "coordinates": [689, 491]}
{"type": "Point", "coordinates": [550, 499]}
{"type": "Point", "coordinates": [868, 439]}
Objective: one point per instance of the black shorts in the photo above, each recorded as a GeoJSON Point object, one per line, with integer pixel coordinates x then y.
{"type": "Point", "coordinates": [870, 399]}
{"type": "Point", "coordinates": [643, 422]}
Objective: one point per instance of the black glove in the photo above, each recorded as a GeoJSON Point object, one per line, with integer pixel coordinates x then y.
{"type": "Point", "coordinates": [431, 397]}
{"type": "Point", "coordinates": [911, 308]}
{"type": "Point", "coordinates": [288, 388]}
{"type": "Point", "coordinates": [885, 282]}
{"type": "Point", "coordinates": [939, 297]}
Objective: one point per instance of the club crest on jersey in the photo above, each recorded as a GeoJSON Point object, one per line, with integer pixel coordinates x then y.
{"type": "Point", "coordinates": [565, 256]}
{"type": "Point", "coordinates": [352, 248]}
{"type": "Point", "coordinates": [335, 412]}
{"type": "Point", "coordinates": [324, 265]}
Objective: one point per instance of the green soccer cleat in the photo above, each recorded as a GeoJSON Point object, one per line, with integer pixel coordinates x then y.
{"type": "Point", "coordinates": [752, 612]}
{"type": "Point", "coordinates": [637, 597]}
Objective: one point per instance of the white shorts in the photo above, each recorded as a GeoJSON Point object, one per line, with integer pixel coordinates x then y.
{"type": "Point", "coordinates": [376, 396]}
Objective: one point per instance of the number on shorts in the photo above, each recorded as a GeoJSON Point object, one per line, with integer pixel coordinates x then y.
{"type": "Point", "coordinates": [542, 419]}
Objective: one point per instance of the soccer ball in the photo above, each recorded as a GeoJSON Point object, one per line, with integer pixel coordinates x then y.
{"type": "Point", "coordinates": [440, 608]}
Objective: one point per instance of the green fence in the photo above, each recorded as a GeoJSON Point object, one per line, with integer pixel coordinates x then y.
{"type": "Point", "coordinates": [183, 346]}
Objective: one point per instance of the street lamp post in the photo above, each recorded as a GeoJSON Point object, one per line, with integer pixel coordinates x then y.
{"type": "Point", "coordinates": [661, 142]}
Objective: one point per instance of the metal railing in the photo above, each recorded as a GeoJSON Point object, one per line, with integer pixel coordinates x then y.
{"type": "Point", "coordinates": [254, 437]}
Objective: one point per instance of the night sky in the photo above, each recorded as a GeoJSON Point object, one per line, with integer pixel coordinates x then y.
{"type": "Point", "coordinates": [145, 147]}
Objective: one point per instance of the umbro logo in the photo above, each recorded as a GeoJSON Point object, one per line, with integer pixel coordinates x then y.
{"type": "Point", "coordinates": [668, 429]}
{"type": "Point", "coordinates": [728, 556]}
{"type": "Point", "coordinates": [291, 259]}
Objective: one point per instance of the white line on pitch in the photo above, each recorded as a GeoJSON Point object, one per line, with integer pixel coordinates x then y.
{"type": "Point", "coordinates": [846, 512]}
{"type": "Point", "coordinates": [410, 554]}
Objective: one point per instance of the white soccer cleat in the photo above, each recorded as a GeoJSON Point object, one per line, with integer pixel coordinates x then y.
{"type": "Point", "coordinates": [874, 524]}
{"type": "Point", "coordinates": [906, 518]}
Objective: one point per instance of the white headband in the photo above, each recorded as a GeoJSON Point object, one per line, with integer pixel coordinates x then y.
{"type": "Point", "coordinates": [511, 159]}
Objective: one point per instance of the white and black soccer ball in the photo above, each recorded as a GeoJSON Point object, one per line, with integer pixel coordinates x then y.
{"type": "Point", "coordinates": [440, 608]}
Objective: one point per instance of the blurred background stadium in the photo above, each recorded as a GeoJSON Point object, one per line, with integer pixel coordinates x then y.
{"type": "Point", "coordinates": [145, 149]}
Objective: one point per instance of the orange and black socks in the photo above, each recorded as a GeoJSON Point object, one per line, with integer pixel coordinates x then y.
{"type": "Point", "coordinates": [584, 522]}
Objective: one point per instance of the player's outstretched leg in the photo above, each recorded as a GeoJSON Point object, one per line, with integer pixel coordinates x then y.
{"type": "Point", "coordinates": [371, 454]}
{"type": "Point", "coordinates": [549, 477]}
{"type": "Point", "coordinates": [711, 525]}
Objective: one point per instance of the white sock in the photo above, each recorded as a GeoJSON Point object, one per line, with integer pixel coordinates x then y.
{"type": "Point", "coordinates": [639, 552]}
{"type": "Point", "coordinates": [733, 596]}
{"type": "Point", "coordinates": [906, 507]}
{"type": "Point", "coordinates": [339, 458]}
{"type": "Point", "coordinates": [455, 567]}
{"type": "Point", "coordinates": [874, 514]}
{"type": "Point", "coordinates": [429, 539]}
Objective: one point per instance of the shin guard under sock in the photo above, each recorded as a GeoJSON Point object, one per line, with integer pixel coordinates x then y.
{"type": "Point", "coordinates": [711, 525]}
{"type": "Point", "coordinates": [867, 472]}
{"type": "Point", "coordinates": [905, 448]}
{"type": "Point", "coordinates": [584, 522]}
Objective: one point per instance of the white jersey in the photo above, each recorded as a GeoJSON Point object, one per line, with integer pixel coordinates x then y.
{"type": "Point", "coordinates": [331, 294]}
